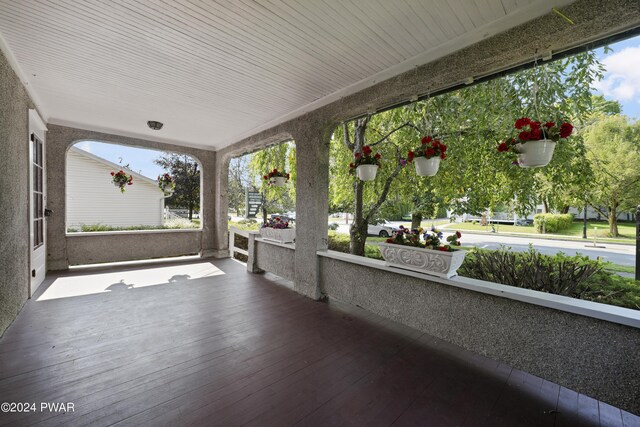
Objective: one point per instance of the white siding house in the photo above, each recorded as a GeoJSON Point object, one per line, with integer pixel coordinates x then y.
{"type": "Point", "coordinates": [93, 199]}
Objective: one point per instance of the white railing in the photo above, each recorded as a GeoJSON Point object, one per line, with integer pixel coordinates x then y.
{"type": "Point", "coordinates": [232, 239]}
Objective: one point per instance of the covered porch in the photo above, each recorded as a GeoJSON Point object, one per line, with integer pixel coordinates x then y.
{"type": "Point", "coordinates": [204, 342]}
{"type": "Point", "coordinates": [323, 338]}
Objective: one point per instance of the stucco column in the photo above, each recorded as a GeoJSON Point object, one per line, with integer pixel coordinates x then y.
{"type": "Point", "coordinates": [208, 208]}
{"type": "Point", "coordinates": [221, 208]}
{"type": "Point", "coordinates": [312, 204]}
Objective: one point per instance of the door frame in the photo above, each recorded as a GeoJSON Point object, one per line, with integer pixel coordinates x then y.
{"type": "Point", "coordinates": [37, 257]}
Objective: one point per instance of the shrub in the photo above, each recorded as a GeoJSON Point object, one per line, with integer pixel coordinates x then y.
{"type": "Point", "coordinates": [610, 288]}
{"type": "Point", "coordinates": [340, 243]}
{"type": "Point", "coordinates": [333, 226]}
{"type": "Point", "coordinates": [552, 222]}
{"type": "Point", "coordinates": [559, 274]}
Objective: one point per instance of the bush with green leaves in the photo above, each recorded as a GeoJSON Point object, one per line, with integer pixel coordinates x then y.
{"type": "Point", "coordinates": [551, 223]}
{"type": "Point", "coordinates": [340, 243]}
{"type": "Point", "coordinates": [559, 274]}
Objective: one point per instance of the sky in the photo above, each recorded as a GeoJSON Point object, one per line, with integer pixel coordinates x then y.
{"type": "Point", "coordinates": [621, 82]}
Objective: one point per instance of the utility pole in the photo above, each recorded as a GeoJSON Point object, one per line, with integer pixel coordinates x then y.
{"type": "Point", "coordinates": [584, 222]}
{"type": "Point", "coordinates": [638, 243]}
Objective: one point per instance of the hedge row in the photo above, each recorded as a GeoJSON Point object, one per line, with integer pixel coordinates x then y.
{"type": "Point", "coordinates": [551, 223]}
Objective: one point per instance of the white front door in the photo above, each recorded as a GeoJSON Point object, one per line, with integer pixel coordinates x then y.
{"type": "Point", "coordinates": [37, 200]}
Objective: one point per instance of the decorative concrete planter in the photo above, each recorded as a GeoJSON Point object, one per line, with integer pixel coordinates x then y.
{"type": "Point", "coordinates": [367, 172]}
{"type": "Point", "coordinates": [427, 167]}
{"type": "Point", "coordinates": [535, 154]}
{"type": "Point", "coordinates": [436, 263]}
{"type": "Point", "coordinates": [280, 235]}
{"type": "Point", "coordinates": [278, 181]}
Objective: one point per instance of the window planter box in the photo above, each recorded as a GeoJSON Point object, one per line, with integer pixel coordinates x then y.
{"type": "Point", "coordinates": [280, 235]}
{"type": "Point", "coordinates": [436, 263]}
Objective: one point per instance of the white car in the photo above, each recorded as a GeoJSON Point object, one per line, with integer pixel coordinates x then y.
{"type": "Point", "coordinates": [382, 229]}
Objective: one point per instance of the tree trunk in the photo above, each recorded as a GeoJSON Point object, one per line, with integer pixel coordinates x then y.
{"type": "Point", "coordinates": [565, 209]}
{"type": "Point", "coordinates": [358, 237]}
{"type": "Point", "coordinates": [190, 212]}
{"type": "Point", "coordinates": [546, 205]}
{"type": "Point", "coordinates": [416, 219]}
{"type": "Point", "coordinates": [613, 221]}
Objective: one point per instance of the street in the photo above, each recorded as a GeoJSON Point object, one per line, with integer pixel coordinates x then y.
{"type": "Point", "coordinates": [616, 253]}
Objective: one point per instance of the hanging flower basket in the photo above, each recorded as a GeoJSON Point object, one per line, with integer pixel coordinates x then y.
{"type": "Point", "coordinates": [166, 184]}
{"type": "Point", "coordinates": [276, 178]}
{"type": "Point", "coordinates": [535, 154]}
{"type": "Point", "coordinates": [121, 179]}
{"type": "Point", "coordinates": [278, 230]}
{"type": "Point", "coordinates": [427, 167]}
{"type": "Point", "coordinates": [535, 141]}
{"type": "Point", "coordinates": [427, 156]}
{"type": "Point", "coordinates": [366, 164]}
{"type": "Point", "coordinates": [367, 172]}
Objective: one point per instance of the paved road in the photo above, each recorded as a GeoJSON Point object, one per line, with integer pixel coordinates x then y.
{"type": "Point", "coordinates": [616, 253]}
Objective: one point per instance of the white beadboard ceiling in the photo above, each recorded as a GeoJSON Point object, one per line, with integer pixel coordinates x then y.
{"type": "Point", "coordinates": [217, 71]}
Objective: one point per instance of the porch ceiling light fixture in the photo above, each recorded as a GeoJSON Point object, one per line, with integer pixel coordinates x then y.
{"type": "Point", "coordinates": [155, 125]}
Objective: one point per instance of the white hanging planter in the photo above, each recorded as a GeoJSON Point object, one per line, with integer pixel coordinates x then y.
{"type": "Point", "coordinates": [278, 181]}
{"type": "Point", "coordinates": [167, 189]}
{"type": "Point", "coordinates": [367, 172]}
{"type": "Point", "coordinates": [280, 235]}
{"type": "Point", "coordinates": [422, 260]}
{"type": "Point", "coordinates": [535, 154]}
{"type": "Point", "coordinates": [427, 167]}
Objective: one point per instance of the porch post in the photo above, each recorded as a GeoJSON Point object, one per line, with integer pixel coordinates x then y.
{"type": "Point", "coordinates": [221, 208]}
{"type": "Point", "coordinates": [312, 204]}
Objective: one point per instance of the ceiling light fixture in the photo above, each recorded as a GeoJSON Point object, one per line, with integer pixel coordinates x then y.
{"type": "Point", "coordinates": [155, 125]}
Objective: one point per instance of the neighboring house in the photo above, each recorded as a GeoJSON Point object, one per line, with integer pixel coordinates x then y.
{"type": "Point", "coordinates": [92, 198]}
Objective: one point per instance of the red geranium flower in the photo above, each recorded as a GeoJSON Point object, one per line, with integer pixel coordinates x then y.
{"type": "Point", "coordinates": [565, 130]}
{"type": "Point", "coordinates": [520, 123]}
{"type": "Point", "coordinates": [503, 147]}
{"type": "Point", "coordinates": [430, 152]}
{"type": "Point", "coordinates": [549, 125]}
{"type": "Point", "coordinates": [426, 140]}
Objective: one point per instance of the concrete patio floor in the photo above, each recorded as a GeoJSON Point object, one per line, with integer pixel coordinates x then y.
{"type": "Point", "coordinates": [202, 342]}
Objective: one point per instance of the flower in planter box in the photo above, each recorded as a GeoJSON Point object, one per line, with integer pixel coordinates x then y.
{"type": "Point", "coordinates": [432, 239]}
{"type": "Point", "coordinates": [121, 179]}
{"type": "Point", "coordinates": [276, 222]}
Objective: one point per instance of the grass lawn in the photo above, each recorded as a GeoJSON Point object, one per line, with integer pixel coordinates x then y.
{"type": "Point", "coordinates": [627, 230]}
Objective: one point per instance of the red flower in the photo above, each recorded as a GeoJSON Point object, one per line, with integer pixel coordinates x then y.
{"type": "Point", "coordinates": [366, 150]}
{"type": "Point", "coordinates": [520, 123]}
{"type": "Point", "coordinates": [389, 240]}
{"type": "Point", "coordinates": [275, 171]}
{"type": "Point", "coordinates": [524, 136]}
{"type": "Point", "coordinates": [378, 155]}
{"type": "Point", "coordinates": [357, 155]}
{"type": "Point", "coordinates": [458, 234]}
{"type": "Point", "coordinates": [113, 173]}
{"type": "Point", "coordinates": [351, 165]}
{"type": "Point", "coordinates": [443, 148]}
{"type": "Point", "coordinates": [565, 130]}
{"type": "Point", "coordinates": [549, 125]}
{"type": "Point", "coordinates": [503, 147]}
{"type": "Point", "coordinates": [278, 219]}
{"type": "Point", "coordinates": [536, 134]}
{"type": "Point", "coordinates": [426, 140]}
{"type": "Point", "coordinates": [410, 155]}
{"type": "Point", "coordinates": [430, 152]}
{"type": "Point", "coordinates": [443, 156]}
{"type": "Point", "coordinates": [534, 125]}
{"type": "Point", "coordinates": [265, 177]}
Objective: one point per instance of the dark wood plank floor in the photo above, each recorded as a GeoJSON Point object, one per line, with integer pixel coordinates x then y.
{"type": "Point", "coordinates": [205, 343]}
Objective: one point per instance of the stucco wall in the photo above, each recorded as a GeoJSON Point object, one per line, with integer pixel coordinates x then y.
{"type": "Point", "coordinates": [14, 187]}
{"type": "Point", "coordinates": [125, 246]}
{"type": "Point", "coordinates": [275, 259]}
{"type": "Point", "coordinates": [61, 252]}
{"type": "Point", "coordinates": [591, 356]}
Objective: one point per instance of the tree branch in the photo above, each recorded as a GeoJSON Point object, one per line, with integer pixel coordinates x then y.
{"type": "Point", "coordinates": [347, 139]}
{"type": "Point", "coordinates": [384, 138]}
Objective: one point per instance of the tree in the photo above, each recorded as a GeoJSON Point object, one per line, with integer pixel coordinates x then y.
{"type": "Point", "coordinates": [186, 174]}
{"type": "Point", "coordinates": [282, 157]}
{"type": "Point", "coordinates": [239, 181]}
{"type": "Point", "coordinates": [613, 149]}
